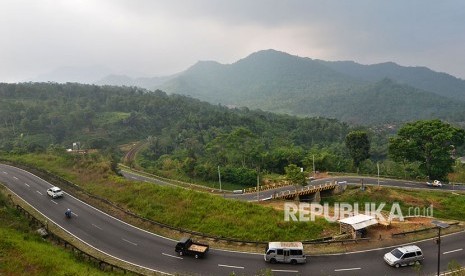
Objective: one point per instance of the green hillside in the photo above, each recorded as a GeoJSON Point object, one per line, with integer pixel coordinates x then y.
{"type": "Point", "coordinates": [419, 77]}
{"type": "Point", "coordinates": [282, 83]}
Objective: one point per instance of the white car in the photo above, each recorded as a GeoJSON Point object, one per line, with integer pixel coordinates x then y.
{"type": "Point", "coordinates": [55, 192]}
{"type": "Point", "coordinates": [435, 183]}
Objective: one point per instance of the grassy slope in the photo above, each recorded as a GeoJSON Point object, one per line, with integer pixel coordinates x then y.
{"type": "Point", "coordinates": [23, 252]}
{"type": "Point", "coordinates": [446, 205]}
{"type": "Point", "coordinates": [178, 207]}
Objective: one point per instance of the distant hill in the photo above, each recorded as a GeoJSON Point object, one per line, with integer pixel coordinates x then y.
{"type": "Point", "coordinates": [419, 77]}
{"type": "Point", "coordinates": [267, 80]}
{"type": "Point", "coordinates": [282, 83]}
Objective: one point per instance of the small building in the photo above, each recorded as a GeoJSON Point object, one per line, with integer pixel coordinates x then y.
{"type": "Point", "coordinates": [356, 225]}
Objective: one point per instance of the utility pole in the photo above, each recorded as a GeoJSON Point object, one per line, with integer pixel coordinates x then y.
{"type": "Point", "coordinates": [258, 187]}
{"type": "Point", "coordinates": [313, 157]}
{"type": "Point", "coordinates": [219, 177]}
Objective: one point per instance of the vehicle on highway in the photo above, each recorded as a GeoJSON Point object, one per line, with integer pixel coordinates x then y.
{"type": "Point", "coordinates": [55, 192]}
{"type": "Point", "coordinates": [403, 256]}
{"type": "Point", "coordinates": [68, 213]}
{"type": "Point", "coordinates": [435, 183]}
{"type": "Point", "coordinates": [186, 246]}
{"type": "Point", "coordinates": [285, 252]}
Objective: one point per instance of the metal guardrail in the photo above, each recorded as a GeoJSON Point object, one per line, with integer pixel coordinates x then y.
{"type": "Point", "coordinates": [419, 230]}
{"type": "Point", "coordinates": [265, 187]}
{"type": "Point", "coordinates": [305, 190]}
{"type": "Point", "coordinates": [102, 264]}
{"type": "Point", "coordinates": [178, 183]}
{"type": "Point", "coordinates": [336, 241]}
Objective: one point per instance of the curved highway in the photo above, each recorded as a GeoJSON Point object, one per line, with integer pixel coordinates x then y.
{"type": "Point", "coordinates": [350, 180]}
{"type": "Point", "coordinates": [145, 249]}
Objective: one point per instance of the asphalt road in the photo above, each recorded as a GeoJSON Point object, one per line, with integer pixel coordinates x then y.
{"type": "Point", "coordinates": [264, 195]}
{"type": "Point", "coordinates": [145, 249]}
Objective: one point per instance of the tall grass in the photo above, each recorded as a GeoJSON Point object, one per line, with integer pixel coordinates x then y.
{"type": "Point", "coordinates": [178, 207]}
{"type": "Point", "coordinates": [446, 205]}
{"type": "Point", "coordinates": [23, 252]}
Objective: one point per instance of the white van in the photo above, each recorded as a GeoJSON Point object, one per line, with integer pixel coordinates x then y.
{"type": "Point", "coordinates": [403, 256]}
{"type": "Point", "coordinates": [285, 252]}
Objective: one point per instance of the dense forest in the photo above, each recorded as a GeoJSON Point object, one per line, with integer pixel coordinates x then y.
{"type": "Point", "coordinates": [182, 137]}
{"type": "Point", "coordinates": [180, 131]}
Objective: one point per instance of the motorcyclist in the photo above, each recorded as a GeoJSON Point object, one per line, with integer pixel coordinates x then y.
{"type": "Point", "coordinates": [68, 213]}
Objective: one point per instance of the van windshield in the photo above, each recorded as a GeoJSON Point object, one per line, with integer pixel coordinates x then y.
{"type": "Point", "coordinates": [397, 253]}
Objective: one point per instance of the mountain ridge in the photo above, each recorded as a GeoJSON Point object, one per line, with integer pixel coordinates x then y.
{"type": "Point", "coordinates": [276, 81]}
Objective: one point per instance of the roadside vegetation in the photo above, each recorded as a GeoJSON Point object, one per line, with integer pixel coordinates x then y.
{"type": "Point", "coordinates": [445, 205]}
{"type": "Point", "coordinates": [24, 252]}
{"type": "Point", "coordinates": [178, 207]}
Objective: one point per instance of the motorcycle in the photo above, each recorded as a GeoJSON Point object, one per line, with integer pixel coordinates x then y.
{"type": "Point", "coordinates": [68, 213]}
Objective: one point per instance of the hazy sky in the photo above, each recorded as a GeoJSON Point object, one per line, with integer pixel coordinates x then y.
{"type": "Point", "coordinates": [158, 37]}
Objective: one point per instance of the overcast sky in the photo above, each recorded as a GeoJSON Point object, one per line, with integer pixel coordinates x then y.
{"type": "Point", "coordinates": [158, 37]}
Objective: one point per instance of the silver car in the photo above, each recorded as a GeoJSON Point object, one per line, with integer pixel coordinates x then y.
{"type": "Point", "coordinates": [403, 256]}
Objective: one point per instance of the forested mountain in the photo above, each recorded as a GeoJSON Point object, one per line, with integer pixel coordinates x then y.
{"type": "Point", "coordinates": [419, 77]}
{"type": "Point", "coordinates": [196, 134]}
{"type": "Point", "coordinates": [267, 80]}
{"type": "Point", "coordinates": [282, 83]}
{"type": "Point", "coordinates": [385, 102]}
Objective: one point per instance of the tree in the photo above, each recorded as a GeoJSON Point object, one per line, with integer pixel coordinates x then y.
{"type": "Point", "coordinates": [430, 142]}
{"type": "Point", "coordinates": [295, 175]}
{"type": "Point", "coordinates": [359, 146]}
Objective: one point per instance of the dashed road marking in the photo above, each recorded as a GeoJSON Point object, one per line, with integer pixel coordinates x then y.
{"type": "Point", "coordinates": [129, 242]}
{"type": "Point", "coordinates": [452, 251]}
{"type": "Point", "coordinates": [97, 226]}
{"type": "Point", "coordinates": [172, 256]}
{"type": "Point", "coordinates": [231, 266]}
{"type": "Point", "coordinates": [348, 269]}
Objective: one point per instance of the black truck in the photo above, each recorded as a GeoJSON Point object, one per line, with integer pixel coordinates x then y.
{"type": "Point", "coordinates": [186, 246]}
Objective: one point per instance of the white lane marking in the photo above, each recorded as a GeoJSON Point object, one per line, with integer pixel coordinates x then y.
{"type": "Point", "coordinates": [348, 269]}
{"type": "Point", "coordinates": [280, 270]}
{"type": "Point", "coordinates": [54, 201]}
{"type": "Point", "coordinates": [172, 256]}
{"type": "Point", "coordinates": [4, 172]}
{"type": "Point", "coordinates": [39, 193]}
{"type": "Point", "coordinates": [15, 177]}
{"type": "Point", "coordinates": [96, 226]}
{"type": "Point", "coordinates": [452, 251]}
{"type": "Point", "coordinates": [231, 266]}
{"type": "Point", "coordinates": [27, 184]}
{"type": "Point", "coordinates": [129, 241]}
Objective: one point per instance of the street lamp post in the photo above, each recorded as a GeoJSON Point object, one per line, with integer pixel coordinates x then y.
{"type": "Point", "coordinates": [440, 225]}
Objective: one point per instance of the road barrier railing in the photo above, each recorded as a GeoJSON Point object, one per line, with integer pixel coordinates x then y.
{"type": "Point", "coordinates": [265, 187]}
{"type": "Point", "coordinates": [419, 230]}
{"type": "Point", "coordinates": [305, 190]}
{"type": "Point", "coordinates": [47, 233]}
{"type": "Point", "coordinates": [178, 183]}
